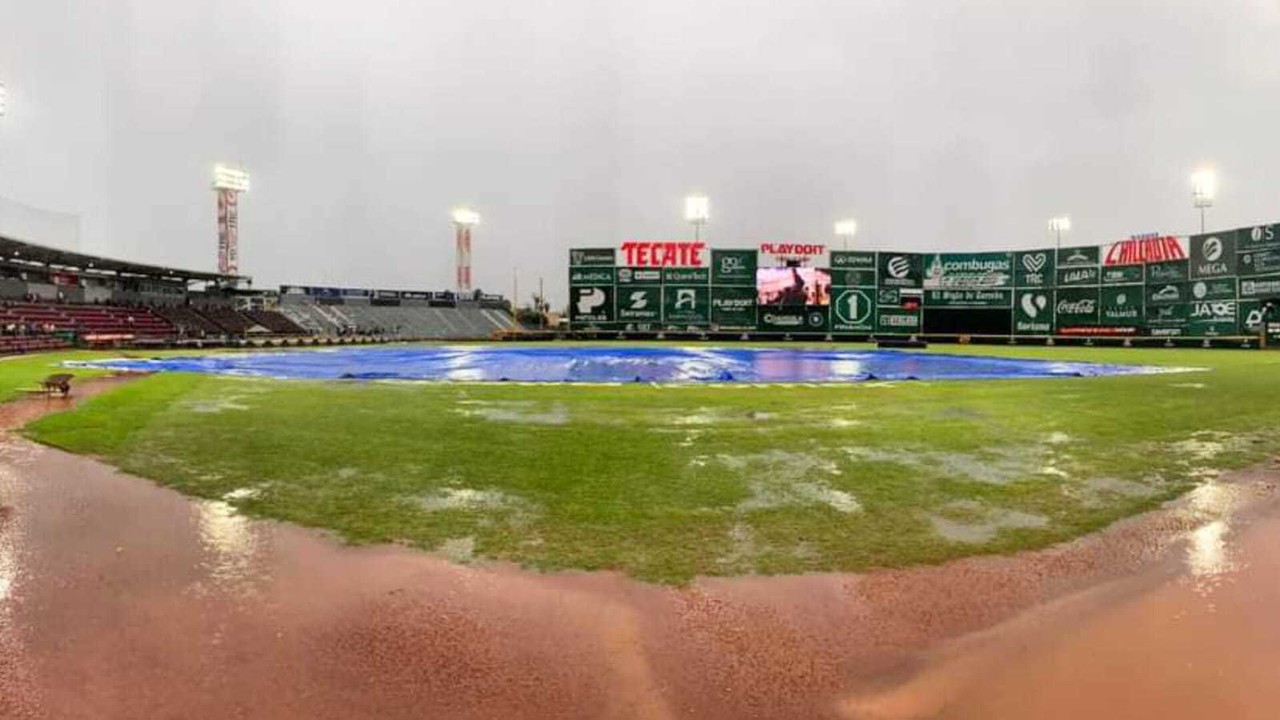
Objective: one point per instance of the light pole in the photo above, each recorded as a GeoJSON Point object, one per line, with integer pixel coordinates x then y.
{"type": "Point", "coordinates": [1204, 186]}
{"type": "Point", "coordinates": [229, 183]}
{"type": "Point", "coordinates": [4, 96]}
{"type": "Point", "coordinates": [697, 210]}
{"type": "Point", "coordinates": [845, 230]}
{"type": "Point", "coordinates": [464, 218]}
{"type": "Point", "coordinates": [1059, 225]}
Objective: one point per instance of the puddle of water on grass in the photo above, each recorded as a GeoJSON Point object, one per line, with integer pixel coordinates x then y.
{"type": "Point", "coordinates": [981, 523]}
{"type": "Point", "coordinates": [460, 550]}
{"type": "Point", "coordinates": [469, 499]}
{"type": "Point", "coordinates": [514, 411]}
{"type": "Point", "coordinates": [777, 478]}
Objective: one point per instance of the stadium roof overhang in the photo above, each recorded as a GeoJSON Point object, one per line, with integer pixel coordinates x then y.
{"type": "Point", "coordinates": [16, 253]}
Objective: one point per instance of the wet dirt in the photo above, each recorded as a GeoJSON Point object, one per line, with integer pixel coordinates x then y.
{"type": "Point", "coordinates": [122, 599]}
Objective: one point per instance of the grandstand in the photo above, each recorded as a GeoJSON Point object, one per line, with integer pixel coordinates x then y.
{"type": "Point", "coordinates": [52, 298]}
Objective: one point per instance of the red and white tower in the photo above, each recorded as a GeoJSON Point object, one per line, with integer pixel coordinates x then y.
{"type": "Point", "coordinates": [463, 220]}
{"type": "Point", "coordinates": [229, 183]}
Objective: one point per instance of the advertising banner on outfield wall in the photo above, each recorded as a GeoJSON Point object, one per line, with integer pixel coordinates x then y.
{"type": "Point", "coordinates": [900, 270]}
{"type": "Point", "coordinates": [593, 256]}
{"type": "Point", "coordinates": [788, 253]}
{"type": "Point", "coordinates": [1213, 255]}
{"type": "Point", "coordinates": [1122, 275]}
{"type": "Point", "coordinates": [892, 320]}
{"type": "Point", "coordinates": [853, 310]}
{"type": "Point", "coordinates": [1268, 287]}
{"type": "Point", "coordinates": [591, 304]}
{"type": "Point", "coordinates": [1034, 269]}
{"type": "Point", "coordinates": [968, 298]}
{"type": "Point", "coordinates": [733, 267]}
{"type": "Point", "coordinates": [780, 318]}
{"type": "Point", "coordinates": [1214, 318]}
{"type": "Point", "coordinates": [1168, 271]}
{"type": "Point", "coordinates": [639, 304]}
{"type": "Point", "coordinates": [733, 308]}
{"type": "Point", "coordinates": [1122, 306]}
{"type": "Point", "coordinates": [686, 305]}
{"type": "Point", "coordinates": [1168, 320]}
{"type": "Point", "coordinates": [1260, 261]}
{"type": "Point", "coordinates": [1142, 249]}
{"type": "Point", "coordinates": [1214, 289]}
{"type": "Point", "coordinates": [1033, 312]}
{"type": "Point", "coordinates": [1076, 308]}
{"type": "Point", "coordinates": [850, 268]}
{"type": "Point", "coordinates": [1073, 257]}
{"type": "Point", "coordinates": [1258, 238]}
{"type": "Point", "coordinates": [968, 271]}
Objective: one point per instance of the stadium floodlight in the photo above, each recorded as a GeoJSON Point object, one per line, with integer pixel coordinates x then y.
{"type": "Point", "coordinates": [465, 217]}
{"type": "Point", "coordinates": [1059, 225]}
{"type": "Point", "coordinates": [226, 177]}
{"type": "Point", "coordinates": [1204, 188]}
{"type": "Point", "coordinates": [697, 210]}
{"type": "Point", "coordinates": [3, 99]}
{"type": "Point", "coordinates": [845, 230]}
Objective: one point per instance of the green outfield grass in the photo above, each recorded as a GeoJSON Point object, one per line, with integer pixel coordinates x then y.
{"type": "Point", "coordinates": [670, 483]}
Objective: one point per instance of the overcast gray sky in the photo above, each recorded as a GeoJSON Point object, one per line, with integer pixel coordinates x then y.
{"type": "Point", "coordinates": [939, 124]}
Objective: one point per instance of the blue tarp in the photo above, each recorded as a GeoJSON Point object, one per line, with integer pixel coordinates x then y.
{"type": "Point", "coordinates": [618, 364]}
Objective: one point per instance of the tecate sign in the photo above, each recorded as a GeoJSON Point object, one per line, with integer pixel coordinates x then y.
{"type": "Point", "coordinates": [1142, 249]}
{"type": "Point", "coordinates": [681, 253]}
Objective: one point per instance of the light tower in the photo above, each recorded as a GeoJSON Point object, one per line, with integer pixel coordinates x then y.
{"type": "Point", "coordinates": [464, 218]}
{"type": "Point", "coordinates": [697, 210]}
{"type": "Point", "coordinates": [229, 182]}
{"type": "Point", "coordinates": [1059, 225]}
{"type": "Point", "coordinates": [1204, 187]}
{"type": "Point", "coordinates": [3, 98]}
{"type": "Point", "coordinates": [845, 230]}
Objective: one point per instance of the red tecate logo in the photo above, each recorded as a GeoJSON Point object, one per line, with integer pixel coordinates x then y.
{"type": "Point", "coordinates": [679, 253]}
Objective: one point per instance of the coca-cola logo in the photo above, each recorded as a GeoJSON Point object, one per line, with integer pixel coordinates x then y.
{"type": "Point", "coordinates": [1084, 306]}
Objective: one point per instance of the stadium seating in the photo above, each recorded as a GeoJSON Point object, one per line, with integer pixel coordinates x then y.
{"type": "Point", "coordinates": [275, 322]}
{"type": "Point", "coordinates": [229, 320]}
{"type": "Point", "coordinates": [36, 343]}
{"type": "Point", "coordinates": [188, 321]}
{"type": "Point", "coordinates": [409, 320]}
{"type": "Point", "coordinates": [88, 320]}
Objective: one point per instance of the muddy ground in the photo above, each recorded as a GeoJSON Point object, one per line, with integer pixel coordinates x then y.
{"type": "Point", "coordinates": [121, 599]}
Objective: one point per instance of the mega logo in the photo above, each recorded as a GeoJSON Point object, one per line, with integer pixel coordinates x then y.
{"type": "Point", "coordinates": [898, 267]}
{"type": "Point", "coordinates": [590, 300]}
{"type": "Point", "coordinates": [663, 254]}
{"type": "Point", "coordinates": [1213, 258]}
{"type": "Point", "coordinates": [1142, 249]}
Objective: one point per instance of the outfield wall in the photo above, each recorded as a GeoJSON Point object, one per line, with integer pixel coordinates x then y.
{"type": "Point", "coordinates": [1206, 286]}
